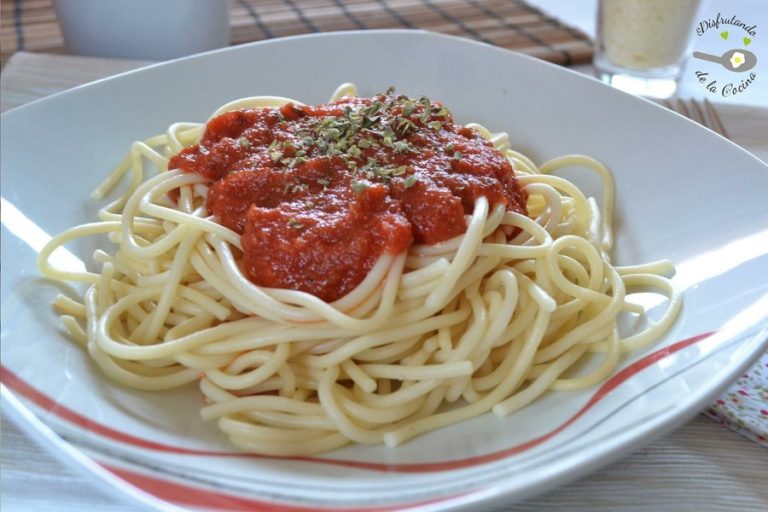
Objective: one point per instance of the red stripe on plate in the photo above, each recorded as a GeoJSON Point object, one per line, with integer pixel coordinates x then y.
{"type": "Point", "coordinates": [181, 494]}
{"type": "Point", "coordinates": [23, 388]}
{"type": "Point", "coordinates": [192, 496]}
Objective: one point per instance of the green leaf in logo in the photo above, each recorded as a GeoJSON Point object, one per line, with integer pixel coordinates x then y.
{"type": "Point", "coordinates": [747, 40]}
{"type": "Point", "coordinates": [724, 35]}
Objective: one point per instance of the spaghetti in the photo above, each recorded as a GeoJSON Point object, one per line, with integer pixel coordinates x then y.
{"type": "Point", "coordinates": [489, 319]}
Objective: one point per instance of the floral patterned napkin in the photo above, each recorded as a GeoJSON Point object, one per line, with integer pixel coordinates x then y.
{"type": "Point", "coordinates": [744, 406]}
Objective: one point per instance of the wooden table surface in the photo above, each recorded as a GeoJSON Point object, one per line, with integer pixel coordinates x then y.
{"type": "Point", "coordinates": [701, 466]}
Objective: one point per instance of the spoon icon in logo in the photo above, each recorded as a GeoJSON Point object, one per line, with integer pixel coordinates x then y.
{"type": "Point", "coordinates": [732, 60]}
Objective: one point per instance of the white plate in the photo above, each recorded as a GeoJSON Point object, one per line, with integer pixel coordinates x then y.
{"type": "Point", "coordinates": [684, 193]}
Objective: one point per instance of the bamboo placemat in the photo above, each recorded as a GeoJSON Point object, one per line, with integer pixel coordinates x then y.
{"type": "Point", "coordinates": [31, 25]}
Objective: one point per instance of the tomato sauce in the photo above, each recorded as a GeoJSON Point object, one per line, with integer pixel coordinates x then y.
{"type": "Point", "coordinates": [319, 193]}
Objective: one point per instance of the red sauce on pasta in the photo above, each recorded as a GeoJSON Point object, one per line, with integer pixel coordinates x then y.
{"type": "Point", "coordinates": [319, 193]}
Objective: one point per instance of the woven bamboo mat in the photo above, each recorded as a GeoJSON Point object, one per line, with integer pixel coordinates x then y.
{"type": "Point", "coordinates": [31, 25]}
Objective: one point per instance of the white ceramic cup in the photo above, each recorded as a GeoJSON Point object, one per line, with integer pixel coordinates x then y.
{"type": "Point", "coordinates": [143, 29]}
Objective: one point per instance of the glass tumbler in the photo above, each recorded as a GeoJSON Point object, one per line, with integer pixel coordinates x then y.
{"type": "Point", "coordinates": [643, 44]}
